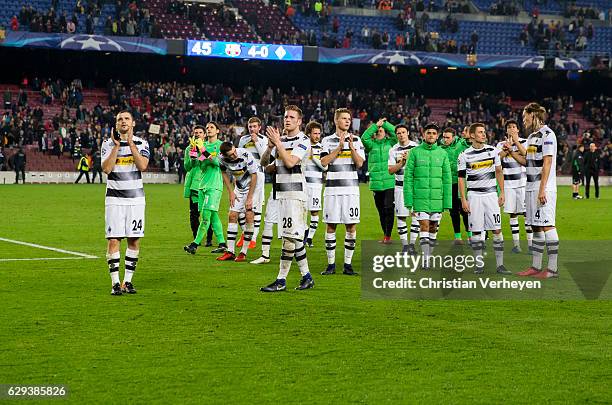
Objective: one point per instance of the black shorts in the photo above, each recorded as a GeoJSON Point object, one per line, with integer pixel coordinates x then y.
{"type": "Point", "coordinates": [576, 178]}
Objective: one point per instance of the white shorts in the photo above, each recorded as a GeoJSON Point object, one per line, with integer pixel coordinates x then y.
{"type": "Point", "coordinates": [341, 209]}
{"type": "Point", "coordinates": [313, 198]}
{"type": "Point", "coordinates": [400, 210]}
{"type": "Point", "coordinates": [124, 221]}
{"type": "Point", "coordinates": [271, 216]}
{"type": "Point", "coordinates": [540, 215]}
{"type": "Point", "coordinates": [292, 214]}
{"type": "Point", "coordinates": [514, 200]}
{"type": "Point", "coordinates": [241, 196]}
{"type": "Point", "coordinates": [428, 216]}
{"type": "Point", "coordinates": [485, 214]}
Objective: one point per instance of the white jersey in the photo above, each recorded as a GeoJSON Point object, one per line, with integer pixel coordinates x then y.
{"type": "Point", "coordinates": [124, 184]}
{"type": "Point", "coordinates": [342, 178]}
{"type": "Point", "coordinates": [313, 169]}
{"type": "Point", "coordinates": [255, 148]}
{"type": "Point", "coordinates": [290, 184]}
{"type": "Point", "coordinates": [395, 155]}
{"type": "Point", "coordinates": [514, 173]}
{"type": "Point", "coordinates": [477, 166]}
{"type": "Point", "coordinates": [242, 168]}
{"type": "Point", "coordinates": [539, 144]}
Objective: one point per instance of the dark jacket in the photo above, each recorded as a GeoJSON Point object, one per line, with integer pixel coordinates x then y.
{"type": "Point", "coordinates": [19, 160]}
{"type": "Point", "coordinates": [592, 162]}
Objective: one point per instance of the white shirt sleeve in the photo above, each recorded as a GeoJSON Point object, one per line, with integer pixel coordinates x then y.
{"type": "Point", "coordinates": [301, 148]}
{"type": "Point", "coordinates": [251, 165]}
{"type": "Point", "coordinates": [461, 164]}
{"type": "Point", "coordinates": [549, 144]}
{"type": "Point", "coordinates": [391, 160]}
{"type": "Point", "coordinates": [106, 150]}
{"type": "Point", "coordinates": [143, 148]}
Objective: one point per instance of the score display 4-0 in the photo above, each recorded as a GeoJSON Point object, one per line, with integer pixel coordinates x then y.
{"type": "Point", "coordinates": [219, 49]}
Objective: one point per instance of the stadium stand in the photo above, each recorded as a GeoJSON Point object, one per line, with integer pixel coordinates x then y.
{"type": "Point", "coordinates": [76, 119]}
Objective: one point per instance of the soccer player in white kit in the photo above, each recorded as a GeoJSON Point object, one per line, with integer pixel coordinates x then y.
{"type": "Point", "coordinates": [314, 179]}
{"type": "Point", "coordinates": [398, 155]}
{"type": "Point", "coordinates": [515, 179]}
{"type": "Point", "coordinates": [124, 158]}
{"type": "Point", "coordinates": [245, 195]}
{"type": "Point", "coordinates": [541, 190]}
{"type": "Point", "coordinates": [255, 143]}
{"type": "Point", "coordinates": [290, 152]}
{"type": "Point", "coordinates": [478, 167]}
{"type": "Point", "coordinates": [343, 154]}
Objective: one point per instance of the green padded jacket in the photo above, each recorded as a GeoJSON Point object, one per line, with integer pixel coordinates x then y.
{"type": "Point", "coordinates": [378, 156]}
{"type": "Point", "coordinates": [427, 179]}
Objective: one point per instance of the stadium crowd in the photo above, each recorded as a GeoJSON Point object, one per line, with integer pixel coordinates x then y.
{"type": "Point", "coordinates": [176, 107]}
{"type": "Point", "coordinates": [131, 18]}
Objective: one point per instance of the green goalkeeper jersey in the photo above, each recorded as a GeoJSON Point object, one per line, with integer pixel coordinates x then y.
{"type": "Point", "coordinates": [211, 172]}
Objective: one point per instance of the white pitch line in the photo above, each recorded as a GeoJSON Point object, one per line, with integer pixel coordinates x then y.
{"type": "Point", "coordinates": [46, 258]}
{"type": "Point", "coordinates": [18, 242]}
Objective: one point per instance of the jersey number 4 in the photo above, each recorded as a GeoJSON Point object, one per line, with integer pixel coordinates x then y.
{"type": "Point", "coordinates": [137, 225]}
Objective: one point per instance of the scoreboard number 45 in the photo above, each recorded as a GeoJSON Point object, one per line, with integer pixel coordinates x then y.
{"type": "Point", "coordinates": [202, 48]}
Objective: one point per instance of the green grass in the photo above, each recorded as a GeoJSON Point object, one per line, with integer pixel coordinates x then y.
{"type": "Point", "coordinates": [201, 332]}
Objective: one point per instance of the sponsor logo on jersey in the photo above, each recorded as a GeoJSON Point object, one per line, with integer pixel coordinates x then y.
{"type": "Point", "coordinates": [481, 165]}
{"type": "Point", "coordinates": [345, 154]}
{"type": "Point", "coordinates": [302, 146]}
{"type": "Point", "coordinates": [532, 149]}
{"type": "Point", "coordinates": [249, 144]}
{"type": "Point", "coordinates": [124, 161]}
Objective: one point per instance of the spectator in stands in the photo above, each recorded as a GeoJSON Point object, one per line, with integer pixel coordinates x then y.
{"type": "Point", "coordinates": [19, 164]}
{"type": "Point", "coordinates": [385, 39]}
{"type": "Point", "coordinates": [365, 34]}
{"type": "Point", "coordinates": [14, 23]}
{"type": "Point", "coordinates": [70, 27]}
{"type": "Point", "coordinates": [335, 24]}
{"type": "Point", "coordinates": [581, 43]}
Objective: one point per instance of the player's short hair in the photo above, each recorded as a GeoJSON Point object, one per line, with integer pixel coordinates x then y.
{"type": "Point", "coordinates": [449, 130]}
{"type": "Point", "coordinates": [431, 125]}
{"type": "Point", "coordinates": [215, 124]}
{"type": "Point", "coordinates": [402, 126]}
{"type": "Point", "coordinates": [341, 111]}
{"type": "Point", "coordinates": [476, 125]}
{"type": "Point", "coordinates": [313, 125]}
{"type": "Point", "coordinates": [537, 109]}
{"type": "Point", "coordinates": [198, 127]}
{"type": "Point", "coordinates": [510, 122]}
{"type": "Point", "coordinates": [254, 120]}
{"type": "Point", "coordinates": [125, 112]}
{"type": "Point", "coordinates": [225, 147]}
{"type": "Point", "coordinates": [298, 110]}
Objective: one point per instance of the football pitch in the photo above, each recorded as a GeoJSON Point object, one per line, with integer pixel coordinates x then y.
{"type": "Point", "coordinates": [200, 331]}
